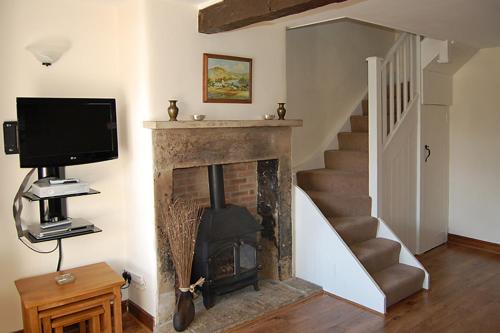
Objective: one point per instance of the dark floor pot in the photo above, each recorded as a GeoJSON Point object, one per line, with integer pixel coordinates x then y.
{"type": "Point", "coordinates": [184, 313]}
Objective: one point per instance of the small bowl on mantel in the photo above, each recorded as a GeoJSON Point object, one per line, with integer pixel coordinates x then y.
{"type": "Point", "coordinates": [198, 117]}
{"type": "Point", "coordinates": [269, 116]}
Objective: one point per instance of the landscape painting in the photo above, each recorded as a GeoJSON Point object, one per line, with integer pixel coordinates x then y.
{"type": "Point", "coordinates": [227, 79]}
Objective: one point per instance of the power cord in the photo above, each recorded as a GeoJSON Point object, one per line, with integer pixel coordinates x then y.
{"type": "Point", "coordinates": [17, 208]}
{"type": "Point", "coordinates": [59, 261]}
{"type": "Point", "coordinates": [128, 279]}
{"type": "Point", "coordinates": [36, 250]}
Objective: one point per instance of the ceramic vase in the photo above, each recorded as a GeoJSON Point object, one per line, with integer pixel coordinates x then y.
{"type": "Point", "coordinates": [173, 110]}
{"type": "Point", "coordinates": [184, 311]}
{"type": "Point", "coordinates": [281, 111]}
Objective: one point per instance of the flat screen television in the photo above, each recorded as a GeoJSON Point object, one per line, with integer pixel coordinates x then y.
{"type": "Point", "coordinates": [66, 131]}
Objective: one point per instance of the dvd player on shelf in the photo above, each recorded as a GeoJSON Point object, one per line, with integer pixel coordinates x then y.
{"type": "Point", "coordinates": [76, 226]}
{"type": "Point", "coordinates": [44, 188]}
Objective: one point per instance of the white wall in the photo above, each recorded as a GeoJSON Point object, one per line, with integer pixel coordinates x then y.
{"type": "Point", "coordinates": [89, 68]}
{"type": "Point", "coordinates": [475, 147]}
{"type": "Point", "coordinates": [175, 50]}
{"type": "Point", "coordinates": [327, 77]}
{"type": "Point", "coordinates": [138, 171]}
{"type": "Point", "coordinates": [142, 52]}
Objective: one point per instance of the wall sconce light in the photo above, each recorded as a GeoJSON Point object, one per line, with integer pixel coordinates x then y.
{"type": "Point", "coordinates": [49, 50]}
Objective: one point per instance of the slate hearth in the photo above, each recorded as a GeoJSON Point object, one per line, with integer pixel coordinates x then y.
{"type": "Point", "coordinates": [245, 305]}
{"type": "Point", "coordinates": [184, 144]}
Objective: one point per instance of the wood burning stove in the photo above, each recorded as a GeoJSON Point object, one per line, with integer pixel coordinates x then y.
{"type": "Point", "coordinates": [226, 253]}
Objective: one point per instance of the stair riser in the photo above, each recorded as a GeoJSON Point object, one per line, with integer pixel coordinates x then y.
{"type": "Point", "coordinates": [399, 281]}
{"type": "Point", "coordinates": [346, 160]}
{"type": "Point", "coordinates": [357, 233]}
{"type": "Point", "coordinates": [359, 124]}
{"type": "Point", "coordinates": [381, 260]}
{"type": "Point", "coordinates": [410, 287]}
{"type": "Point", "coordinates": [353, 141]}
{"type": "Point", "coordinates": [342, 206]}
{"type": "Point", "coordinates": [356, 184]}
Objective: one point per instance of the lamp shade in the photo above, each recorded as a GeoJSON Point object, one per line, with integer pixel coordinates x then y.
{"type": "Point", "coordinates": [49, 51]}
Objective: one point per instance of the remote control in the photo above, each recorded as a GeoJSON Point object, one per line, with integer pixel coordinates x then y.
{"type": "Point", "coordinates": [63, 181]}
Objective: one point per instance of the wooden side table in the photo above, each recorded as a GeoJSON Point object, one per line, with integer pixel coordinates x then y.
{"type": "Point", "coordinates": [41, 293]}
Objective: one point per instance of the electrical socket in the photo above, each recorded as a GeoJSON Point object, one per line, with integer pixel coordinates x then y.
{"type": "Point", "coordinates": [137, 280]}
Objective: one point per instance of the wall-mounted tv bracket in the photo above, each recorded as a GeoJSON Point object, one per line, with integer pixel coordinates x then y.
{"type": "Point", "coordinates": [52, 210]}
{"type": "Point", "coordinates": [10, 137]}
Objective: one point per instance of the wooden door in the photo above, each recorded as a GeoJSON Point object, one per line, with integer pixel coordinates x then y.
{"type": "Point", "coordinates": [433, 228]}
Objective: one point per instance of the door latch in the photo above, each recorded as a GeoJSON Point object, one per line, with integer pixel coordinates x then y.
{"type": "Point", "coordinates": [427, 148]}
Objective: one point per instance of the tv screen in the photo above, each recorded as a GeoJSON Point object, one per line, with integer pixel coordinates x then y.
{"type": "Point", "coordinates": [66, 131]}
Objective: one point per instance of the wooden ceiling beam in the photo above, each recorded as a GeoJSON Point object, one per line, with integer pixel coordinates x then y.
{"type": "Point", "coordinates": [233, 14]}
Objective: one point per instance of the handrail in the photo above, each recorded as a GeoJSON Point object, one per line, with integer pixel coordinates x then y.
{"type": "Point", "coordinates": [394, 48]}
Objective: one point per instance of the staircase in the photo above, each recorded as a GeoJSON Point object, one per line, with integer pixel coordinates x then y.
{"type": "Point", "coordinates": [340, 191]}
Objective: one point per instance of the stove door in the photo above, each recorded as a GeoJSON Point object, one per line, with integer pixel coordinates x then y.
{"type": "Point", "coordinates": [223, 262]}
{"type": "Point", "coordinates": [247, 256]}
{"type": "Point", "coordinates": [233, 259]}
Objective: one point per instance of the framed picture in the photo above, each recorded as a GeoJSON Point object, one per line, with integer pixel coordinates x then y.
{"type": "Point", "coordinates": [227, 79]}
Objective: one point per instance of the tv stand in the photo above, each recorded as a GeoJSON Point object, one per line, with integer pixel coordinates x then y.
{"type": "Point", "coordinates": [56, 206]}
{"type": "Point", "coordinates": [53, 209]}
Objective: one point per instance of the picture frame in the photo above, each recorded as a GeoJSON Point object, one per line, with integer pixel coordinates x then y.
{"type": "Point", "coordinates": [227, 79]}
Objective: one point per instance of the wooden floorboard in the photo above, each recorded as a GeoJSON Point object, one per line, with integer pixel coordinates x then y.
{"type": "Point", "coordinates": [464, 297]}
{"type": "Point", "coordinates": [132, 325]}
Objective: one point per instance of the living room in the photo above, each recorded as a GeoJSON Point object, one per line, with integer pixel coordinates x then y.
{"type": "Point", "coordinates": [143, 54]}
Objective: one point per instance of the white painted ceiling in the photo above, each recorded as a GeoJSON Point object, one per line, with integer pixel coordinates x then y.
{"type": "Point", "coordinates": [201, 3]}
{"type": "Point", "coordinates": [473, 22]}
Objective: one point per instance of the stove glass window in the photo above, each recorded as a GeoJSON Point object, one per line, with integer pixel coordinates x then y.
{"type": "Point", "coordinates": [248, 259]}
{"type": "Point", "coordinates": [224, 263]}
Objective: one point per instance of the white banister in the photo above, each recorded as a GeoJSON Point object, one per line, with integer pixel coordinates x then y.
{"type": "Point", "coordinates": [392, 84]}
{"type": "Point", "coordinates": [374, 125]}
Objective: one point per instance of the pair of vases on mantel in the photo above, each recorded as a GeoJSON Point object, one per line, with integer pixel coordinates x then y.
{"type": "Point", "coordinates": [173, 110]}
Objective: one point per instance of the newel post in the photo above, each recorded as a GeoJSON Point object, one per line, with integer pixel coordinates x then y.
{"type": "Point", "coordinates": [375, 133]}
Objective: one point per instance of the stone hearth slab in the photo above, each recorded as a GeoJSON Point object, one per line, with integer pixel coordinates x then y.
{"type": "Point", "coordinates": [244, 305]}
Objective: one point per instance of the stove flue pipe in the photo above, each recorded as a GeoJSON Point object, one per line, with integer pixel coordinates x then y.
{"type": "Point", "coordinates": [216, 185]}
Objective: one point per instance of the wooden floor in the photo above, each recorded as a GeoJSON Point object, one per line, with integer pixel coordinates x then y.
{"type": "Point", "coordinates": [132, 325]}
{"type": "Point", "coordinates": [464, 297]}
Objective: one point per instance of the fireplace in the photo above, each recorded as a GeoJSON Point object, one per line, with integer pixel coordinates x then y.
{"type": "Point", "coordinates": [182, 148]}
{"type": "Point", "coordinates": [226, 253]}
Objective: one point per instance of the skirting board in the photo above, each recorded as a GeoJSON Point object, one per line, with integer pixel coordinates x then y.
{"type": "Point", "coordinates": [474, 243]}
{"type": "Point", "coordinates": [140, 314]}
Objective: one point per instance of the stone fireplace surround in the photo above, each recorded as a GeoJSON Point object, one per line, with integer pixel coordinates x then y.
{"type": "Point", "coordinates": [265, 144]}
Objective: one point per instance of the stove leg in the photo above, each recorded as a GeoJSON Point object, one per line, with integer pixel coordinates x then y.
{"type": "Point", "coordinates": [208, 299]}
{"type": "Point", "coordinates": [256, 286]}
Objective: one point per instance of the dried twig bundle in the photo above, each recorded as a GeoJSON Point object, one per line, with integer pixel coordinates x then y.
{"type": "Point", "coordinates": [182, 219]}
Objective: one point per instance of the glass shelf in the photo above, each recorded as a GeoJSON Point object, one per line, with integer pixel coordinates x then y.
{"type": "Point", "coordinates": [32, 197]}
{"type": "Point", "coordinates": [89, 231]}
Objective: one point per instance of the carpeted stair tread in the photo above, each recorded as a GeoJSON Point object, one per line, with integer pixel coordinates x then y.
{"type": "Point", "coordinates": [359, 124]}
{"type": "Point", "coordinates": [355, 229]}
{"type": "Point", "coordinates": [353, 141]}
{"type": "Point", "coordinates": [340, 182]}
{"type": "Point", "coordinates": [347, 160]}
{"type": "Point", "coordinates": [376, 254]}
{"type": "Point", "coordinates": [334, 205]}
{"type": "Point", "coordinates": [399, 281]}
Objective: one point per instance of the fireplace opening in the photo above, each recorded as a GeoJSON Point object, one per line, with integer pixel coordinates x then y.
{"type": "Point", "coordinates": [226, 252]}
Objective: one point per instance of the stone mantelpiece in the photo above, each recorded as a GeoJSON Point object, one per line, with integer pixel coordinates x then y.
{"type": "Point", "coordinates": [222, 124]}
{"type": "Point", "coordinates": [185, 144]}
